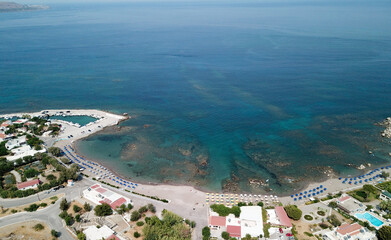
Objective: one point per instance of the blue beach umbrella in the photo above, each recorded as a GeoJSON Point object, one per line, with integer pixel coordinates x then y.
{"type": "Point", "coordinates": [295, 199]}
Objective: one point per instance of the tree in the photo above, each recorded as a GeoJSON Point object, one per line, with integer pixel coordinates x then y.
{"type": "Point", "coordinates": [87, 207]}
{"type": "Point", "coordinates": [103, 210]}
{"type": "Point", "coordinates": [54, 233]}
{"type": "Point", "coordinates": [334, 220]}
{"type": "Point", "coordinates": [136, 234]}
{"type": "Point", "coordinates": [55, 151]}
{"type": "Point", "coordinates": [38, 227]}
{"type": "Point", "coordinates": [76, 208]}
{"type": "Point", "coordinates": [31, 172]}
{"type": "Point", "coordinates": [64, 205]}
{"type": "Point", "coordinates": [135, 216]}
{"type": "Point", "coordinates": [260, 204]}
{"type": "Point", "coordinates": [384, 175]}
{"type": "Point", "coordinates": [225, 235]}
{"type": "Point", "coordinates": [3, 149]}
{"type": "Point", "coordinates": [151, 208]}
{"type": "Point", "coordinates": [384, 233]}
{"type": "Point", "coordinates": [293, 212]}
{"type": "Point", "coordinates": [81, 236]}
{"type": "Point", "coordinates": [206, 232]}
{"type": "Point", "coordinates": [333, 204]}
{"type": "Point", "coordinates": [77, 218]}
{"type": "Point", "coordinates": [369, 188]}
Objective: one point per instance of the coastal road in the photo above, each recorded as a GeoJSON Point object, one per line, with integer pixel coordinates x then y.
{"type": "Point", "coordinates": [49, 215]}
{"type": "Point", "coordinates": [70, 193]}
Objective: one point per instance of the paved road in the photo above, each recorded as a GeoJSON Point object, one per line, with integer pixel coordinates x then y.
{"type": "Point", "coordinates": [70, 193]}
{"type": "Point", "coordinates": [48, 215]}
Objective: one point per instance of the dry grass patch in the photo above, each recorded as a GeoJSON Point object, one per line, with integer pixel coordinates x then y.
{"type": "Point", "coordinates": [25, 231]}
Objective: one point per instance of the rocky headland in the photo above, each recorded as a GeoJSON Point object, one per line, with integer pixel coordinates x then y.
{"type": "Point", "coordinates": [13, 7]}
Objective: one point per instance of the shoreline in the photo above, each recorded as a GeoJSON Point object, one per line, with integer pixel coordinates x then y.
{"type": "Point", "coordinates": [333, 183]}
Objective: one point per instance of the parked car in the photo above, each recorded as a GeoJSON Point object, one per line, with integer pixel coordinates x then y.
{"type": "Point", "coordinates": [289, 234]}
{"type": "Point", "coordinates": [280, 229]}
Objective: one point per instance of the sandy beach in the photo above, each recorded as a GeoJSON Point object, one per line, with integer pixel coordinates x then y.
{"type": "Point", "coordinates": [176, 194]}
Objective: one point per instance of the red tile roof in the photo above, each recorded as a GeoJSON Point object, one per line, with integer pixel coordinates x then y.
{"type": "Point", "coordinates": [217, 221]}
{"type": "Point", "coordinates": [28, 183]}
{"type": "Point", "coordinates": [343, 198]}
{"type": "Point", "coordinates": [284, 219]}
{"type": "Point", "coordinates": [112, 237]}
{"type": "Point", "coordinates": [100, 190]}
{"type": "Point", "coordinates": [118, 203]}
{"type": "Point", "coordinates": [234, 231]}
{"type": "Point", "coordinates": [95, 186]}
{"type": "Point", "coordinates": [349, 229]}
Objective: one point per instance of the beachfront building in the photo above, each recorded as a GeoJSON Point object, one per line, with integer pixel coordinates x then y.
{"type": "Point", "coordinates": [277, 217]}
{"type": "Point", "coordinates": [349, 231]}
{"type": "Point", "coordinates": [249, 222]}
{"type": "Point", "coordinates": [104, 232]}
{"type": "Point", "coordinates": [28, 185]}
{"type": "Point", "coordinates": [385, 196]}
{"type": "Point", "coordinates": [98, 195]}
{"type": "Point", "coordinates": [350, 205]}
{"type": "Point", "coordinates": [217, 222]}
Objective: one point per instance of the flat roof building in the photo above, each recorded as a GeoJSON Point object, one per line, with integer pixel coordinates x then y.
{"type": "Point", "coordinates": [251, 221]}
{"type": "Point", "coordinates": [349, 231]}
{"type": "Point", "coordinates": [98, 194]}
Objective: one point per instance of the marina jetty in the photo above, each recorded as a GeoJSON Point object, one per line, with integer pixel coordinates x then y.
{"type": "Point", "coordinates": [72, 130]}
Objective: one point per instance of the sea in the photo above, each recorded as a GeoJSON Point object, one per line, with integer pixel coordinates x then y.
{"type": "Point", "coordinates": [235, 96]}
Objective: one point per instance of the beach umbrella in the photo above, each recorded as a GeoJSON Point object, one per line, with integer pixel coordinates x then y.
{"type": "Point", "coordinates": [295, 199]}
{"type": "Point", "coordinates": [299, 198]}
{"type": "Point", "coordinates": [340, 178]}
{"type": "Point", "coordinates": [321, 191]}
{"type": "Point", "coordinates": [313, 194]}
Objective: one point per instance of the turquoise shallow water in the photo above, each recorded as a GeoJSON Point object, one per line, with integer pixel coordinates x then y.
{"type": "Point", "coordinates": [82, 120]}
{"type": "Point", "coordinates": [221, 93]}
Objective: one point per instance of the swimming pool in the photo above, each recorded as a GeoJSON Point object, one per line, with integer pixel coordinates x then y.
{"type": "Point", "coordinates": [375, 221]}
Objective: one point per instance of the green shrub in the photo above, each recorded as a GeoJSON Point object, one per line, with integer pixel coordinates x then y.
{"type": "Point", "coordinates": [103, 210]}
{"type": "Point", "coordinates": [140, 223]}
{"type": "Point", "coordinates": [293, 212]}
{"type": "Point", "coordinates": [38, 227]}
{"type": "Point", "coordinates": [136, 234]}
{"type": "Point", "coordinates": [321, 213]}
{"type": "Point", "coordinates": [76, 208]}
{"type": "Point", "coordinates": [308, 217]}
{"type": "Point", "coordinates": [135, 216]}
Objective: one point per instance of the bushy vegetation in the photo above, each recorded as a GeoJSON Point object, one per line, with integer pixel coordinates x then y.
{"type": "Point", "coordinates": [225, 211]}
{"type": "Point", "coordinates": [103, 210]}
{"type": "Point", "coordinates": [170, 227]}
{"type": "Point", "coordinates": [308, 217]}
{"type": "Point", "coordinates": [365, 194]}
{"type": "Point", "coordinates": [334, 220]}
{"type": "Point", "coordinates": [293, 212]}
{"type": "Point", "coordinates": [32, 208]}
{"type": "Point", "coordinates": [12, 192]}
{"type": "Point", "coordinates": [384, 233]}
{"type": "Point", "coordinates": [38, 227]}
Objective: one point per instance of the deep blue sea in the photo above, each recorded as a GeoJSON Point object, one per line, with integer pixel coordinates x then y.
{"type": "Point", "coordinates": [221, 93]}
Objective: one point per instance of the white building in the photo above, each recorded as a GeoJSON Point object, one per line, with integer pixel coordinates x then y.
{"type": "Point", "coordinates": [349, 231]}
{"type": "Point", "coordinates": [28, 185]}
{"type": "Point", "coordinates": [17, 142]}
{"type": "Point", "coordinates": [98, 195]}
{"type": "Point", "coordinates": [22, 152]}
{"type": "Point", "coordinates": [350, 205]}
{"type": "Point", "coordinates": [251, 221]}
{"type": "Point", "coordinates": [104, 232]}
